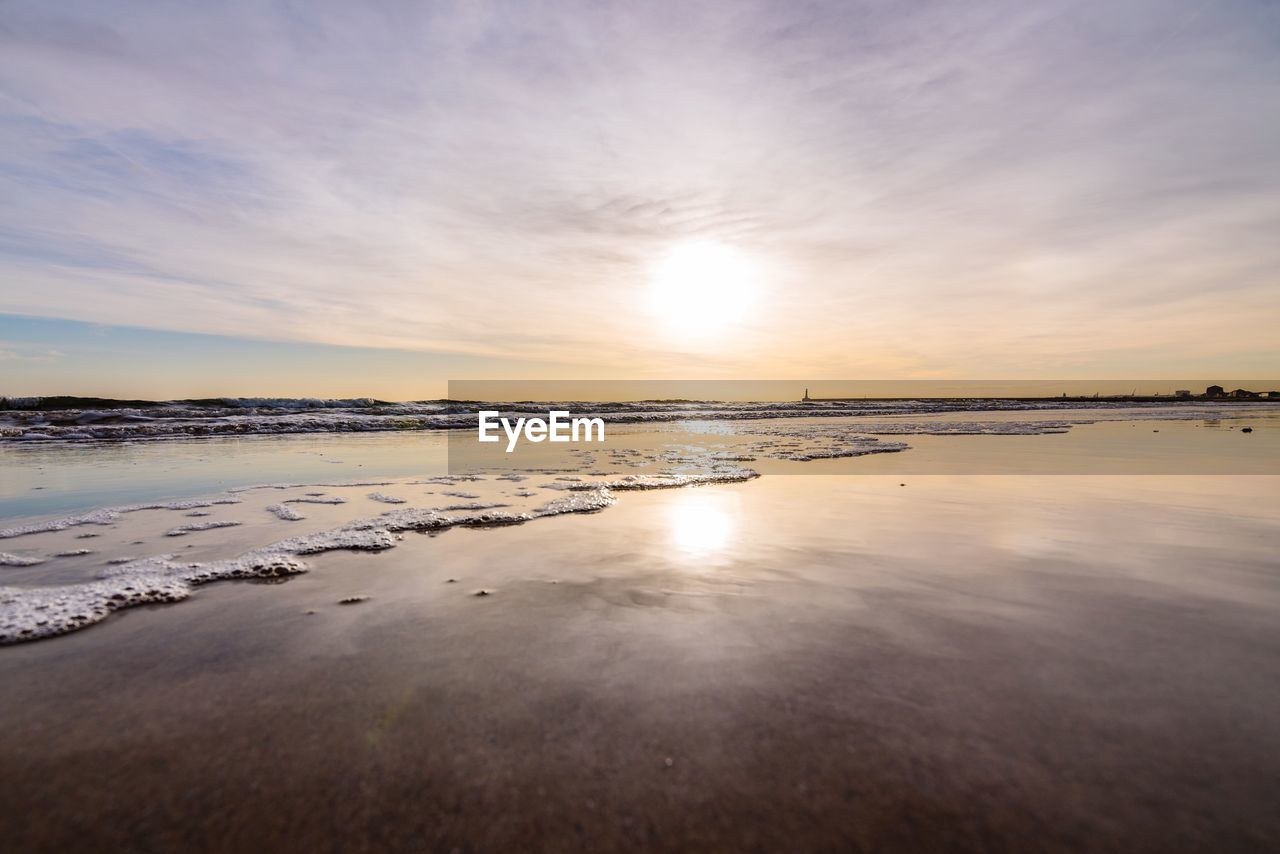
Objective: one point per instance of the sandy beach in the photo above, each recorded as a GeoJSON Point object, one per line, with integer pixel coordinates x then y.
{"type": "Point", "coordinates": [807, 662]}
{"type": "Point", "coordinates": [486, 427]}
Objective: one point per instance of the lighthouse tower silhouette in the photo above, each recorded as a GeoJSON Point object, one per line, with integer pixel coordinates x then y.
{"type": "Point", "coordinates": [806, 394]}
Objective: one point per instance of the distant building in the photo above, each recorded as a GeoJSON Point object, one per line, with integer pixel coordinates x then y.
{"type": "Point", "coordinates": [1214, 391]}
{"type": "Point", "coordinates": [1182, 392]}
{"type": "Point", "coordinates": [1244, 392]}
{"type": "Point", "coordinates": [1273, 394]}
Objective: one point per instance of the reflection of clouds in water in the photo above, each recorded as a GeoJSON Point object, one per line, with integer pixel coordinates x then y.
{"type": "Point", "coordinates": [701, 522]}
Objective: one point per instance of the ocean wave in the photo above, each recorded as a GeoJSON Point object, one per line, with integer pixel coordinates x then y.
{"type": "Point", "coordinates": [276, 416]}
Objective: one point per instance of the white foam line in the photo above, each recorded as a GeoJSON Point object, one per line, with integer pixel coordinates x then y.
{"type": "Point", "coordinates": [107, 516]}
{"type": "Point", "coordinates": [7, 559]}
{"type": "Point", "coordinates": [183, 530]}
{"type": "Point", "coordinates": [97, 517]}
{"type": "Point", "coordinates": [666, 481]}
{"type": "Point", "coordinates": [33, 613]}
{"type": "Point", "coordinates": [286, 513]}
{"type": "Point", "coordinates": [328, 485]}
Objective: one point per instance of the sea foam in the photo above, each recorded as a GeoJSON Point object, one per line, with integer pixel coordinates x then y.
{"type": "Point", "coordinates": [33, 613]}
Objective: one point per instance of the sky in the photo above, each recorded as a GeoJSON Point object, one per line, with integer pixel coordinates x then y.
{"type": "Point", "coordinates": [336, 199]}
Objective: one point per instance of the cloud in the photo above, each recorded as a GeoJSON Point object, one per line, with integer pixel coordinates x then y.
{"type": "Point", "coordinates": [932, 188]}
{"type": "Point", "coordinates": [11, 351]}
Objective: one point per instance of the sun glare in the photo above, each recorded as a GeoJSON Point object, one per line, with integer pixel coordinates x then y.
{"type": "Point", "coordinates": [702, 287]}
{"type": "Point", "coordinates": [700, 523]}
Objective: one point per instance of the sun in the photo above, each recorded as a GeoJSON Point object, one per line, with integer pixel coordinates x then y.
{"type": "Point", "coordinates": [701, 287]}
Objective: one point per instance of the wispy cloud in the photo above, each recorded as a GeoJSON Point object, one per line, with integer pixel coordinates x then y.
{"type": "Point", "coordinates": [11, 351]}
{"type": "Point", "coordinates": [986, 186]}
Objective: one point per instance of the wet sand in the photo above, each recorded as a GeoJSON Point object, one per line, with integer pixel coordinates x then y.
{"type": "Point", "coordinates": [794, 663]}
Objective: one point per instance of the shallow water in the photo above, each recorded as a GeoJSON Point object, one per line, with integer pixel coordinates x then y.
{"type": "Point", "coordinates": [944, 661]}
{"type": "Point", "coordinates": [47, 478]}
{"type": "Point", "coordinates": [42, 478]}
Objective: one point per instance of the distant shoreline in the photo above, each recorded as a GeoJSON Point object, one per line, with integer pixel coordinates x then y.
{"type": "Point", "coordinates": [1114, 398]}
{"type": "Point", "coordinates": [55, 403]}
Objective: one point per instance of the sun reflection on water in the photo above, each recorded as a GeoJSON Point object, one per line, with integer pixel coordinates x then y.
{"type": "Point", "coordinates": [701, 522]}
